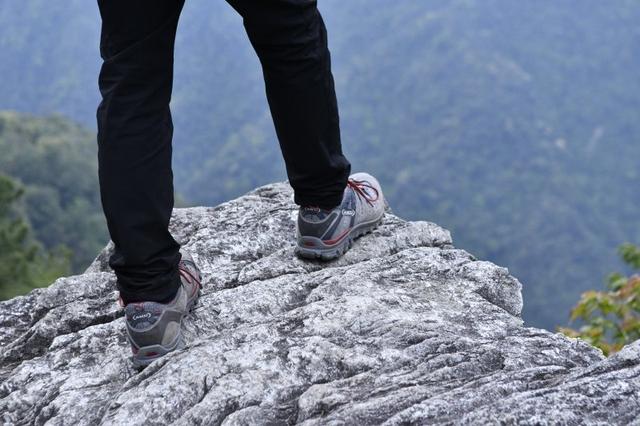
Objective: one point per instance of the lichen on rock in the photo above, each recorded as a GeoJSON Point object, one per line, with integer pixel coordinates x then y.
{"type": "Point", "coordinates": [404, 329]}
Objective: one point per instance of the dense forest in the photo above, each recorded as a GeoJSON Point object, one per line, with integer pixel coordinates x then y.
{"type": "Point", "coordinates": [512, 124]}
{"type": "Point", "coordinates": [24, 263]}
{"type": "Point", "coordinates": [52, 164]}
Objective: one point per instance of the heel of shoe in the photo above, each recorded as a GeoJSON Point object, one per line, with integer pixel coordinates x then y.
{"type": "Point", "coordinates": [314, 248]}
{"type": "Point", "coordinates": [144, 356]}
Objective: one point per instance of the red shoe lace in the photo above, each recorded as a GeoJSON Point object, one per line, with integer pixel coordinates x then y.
{"type": "Point", "coordinates": [182, 269]}
{"type": "Point", "coordinates": [359, 187]}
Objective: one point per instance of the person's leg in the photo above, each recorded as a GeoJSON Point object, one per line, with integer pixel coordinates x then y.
{"type": "Point", "coordinates": [290, 39]}
{"type": "Point", "coordinates": [134, 144]}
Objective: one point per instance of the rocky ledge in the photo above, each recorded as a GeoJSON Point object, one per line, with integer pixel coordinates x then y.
{"type": "Point", "coordinates": [404, 329]}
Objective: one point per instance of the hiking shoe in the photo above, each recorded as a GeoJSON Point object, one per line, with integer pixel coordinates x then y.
{"type": "Point", "coordinates": [153, 329]}
{"type": "Point", "coordinates": [328, 234]}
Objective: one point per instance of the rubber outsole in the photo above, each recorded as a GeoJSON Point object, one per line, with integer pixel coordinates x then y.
{"type": "Point", "coordinates": [140, 360]}
{"type": "Point", "coordinates": [339, 249]}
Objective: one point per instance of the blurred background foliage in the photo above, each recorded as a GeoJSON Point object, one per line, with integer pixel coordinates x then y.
{"type": "Point", "coordinates": [611, 319]}
{"type": "Point", "coordinates": [513, 124]}
{"type": "Point", "coordinates": [23, 263]}
{"type": "Point", "coordinates": [53, 162]}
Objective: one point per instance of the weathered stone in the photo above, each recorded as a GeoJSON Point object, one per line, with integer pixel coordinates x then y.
{"type": "Point", "coordinates": [403, 329]}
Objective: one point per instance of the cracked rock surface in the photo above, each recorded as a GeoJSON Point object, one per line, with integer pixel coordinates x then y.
{"type": "Point", "coordinates": [404, 329]}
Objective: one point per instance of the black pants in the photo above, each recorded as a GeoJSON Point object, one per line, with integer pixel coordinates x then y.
{"type": "Point", "coordinates": [135, 127]}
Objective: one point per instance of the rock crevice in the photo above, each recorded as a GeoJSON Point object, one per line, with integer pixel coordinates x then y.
{"type": "Point", "coordinates": [405, 328]}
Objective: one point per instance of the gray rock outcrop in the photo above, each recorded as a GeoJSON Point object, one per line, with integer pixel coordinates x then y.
{"type": "Point", "coordinates": [404, 329]}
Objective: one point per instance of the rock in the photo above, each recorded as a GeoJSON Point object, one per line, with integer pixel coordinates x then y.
{"type": "Point", "coordinates": [404, 329]}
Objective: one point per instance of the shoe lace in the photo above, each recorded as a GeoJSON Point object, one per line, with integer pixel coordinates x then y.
{"type": "Point", "coordinates": [182, 269]}
{"type": "Point", "coordinates": [360, 186]}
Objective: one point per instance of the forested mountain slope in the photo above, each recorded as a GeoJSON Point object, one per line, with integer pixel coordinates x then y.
{"type": "Point", "coordinates": [512, 124]}
{"type": "Point", "coordinates": [54, 162]}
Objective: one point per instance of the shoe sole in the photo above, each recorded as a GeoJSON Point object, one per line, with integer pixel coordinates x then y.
{"type": "Point", "coordinates": [322, 251]}
{"type": "Point", "coordinates": [147, 354]}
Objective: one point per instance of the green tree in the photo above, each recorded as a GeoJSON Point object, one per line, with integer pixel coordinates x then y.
{"type": "Point", "coordinates": [611, 319]}
{"type": "Point", "coordinates": [23, 264]}
{"type": "Point", "coordinates": [54, 161]}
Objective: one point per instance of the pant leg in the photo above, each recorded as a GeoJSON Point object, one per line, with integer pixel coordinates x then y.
{"type": "Point", "coordinates": [290, 39]}
{"type": "Point", "coordinates": [134, 144]}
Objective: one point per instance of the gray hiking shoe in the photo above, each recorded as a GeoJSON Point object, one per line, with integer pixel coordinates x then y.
{"type": "Point", "coordinates": [328, 234]}
{"type": "Point", "coordinates": [153, 329]}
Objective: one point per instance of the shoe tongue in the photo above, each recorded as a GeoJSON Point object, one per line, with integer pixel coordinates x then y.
{"type": "Point", "coordinates": [314, 213]}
